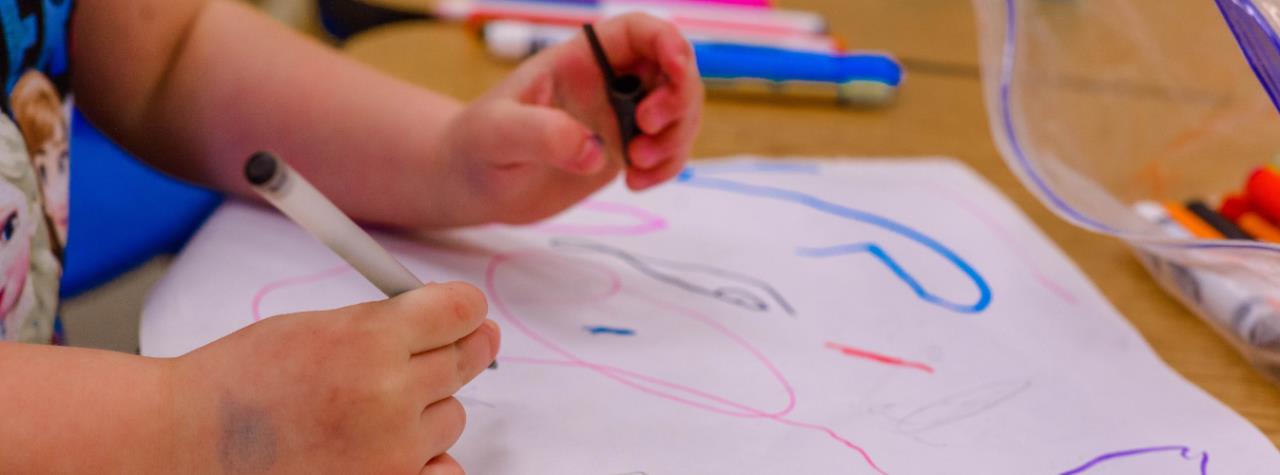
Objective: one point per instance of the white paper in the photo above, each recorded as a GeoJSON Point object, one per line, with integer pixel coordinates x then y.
{"type": "Point", "coordinates": [763, 317]}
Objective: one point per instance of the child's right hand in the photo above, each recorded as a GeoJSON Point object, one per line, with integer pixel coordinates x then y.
{"type": "Point", "coordinates": [362, 389]}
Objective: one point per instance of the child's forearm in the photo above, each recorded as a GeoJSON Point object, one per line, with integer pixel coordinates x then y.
{"type": "Point", "coordinates": [195, 86]}
{"type": "Point", "coordinates": [71, 410]}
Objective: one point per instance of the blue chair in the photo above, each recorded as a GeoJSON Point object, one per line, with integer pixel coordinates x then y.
{"type": "Point", "coordinates": [123, 213]}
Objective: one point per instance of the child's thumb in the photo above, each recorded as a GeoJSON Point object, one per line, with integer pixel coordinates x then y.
{"type": "Point", "coordinates": [554, 137]}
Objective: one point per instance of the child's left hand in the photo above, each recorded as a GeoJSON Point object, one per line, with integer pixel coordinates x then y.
{"type": "Point", "coordinates": [547, 137]}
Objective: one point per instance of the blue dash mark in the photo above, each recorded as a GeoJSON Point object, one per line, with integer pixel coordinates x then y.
{"type": "Point", "coordinates": [689, 177]}
{"type": "Point", "coordinates": [597, 330]}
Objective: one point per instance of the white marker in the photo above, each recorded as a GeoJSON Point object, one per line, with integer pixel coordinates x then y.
{"type": "Point", "coordinates": [283, 187]}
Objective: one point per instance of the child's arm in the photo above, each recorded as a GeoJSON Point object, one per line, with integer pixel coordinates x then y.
{"type": "Point", "coordinates": [363, 389]}
{"type": "Point", "coordinates": [74, 410]}
{"type": "Point", "coordinates": [195, 86]}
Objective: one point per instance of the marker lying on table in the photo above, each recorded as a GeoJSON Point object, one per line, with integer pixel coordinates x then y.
{"type": "Point", "coordinates": [859, 78]}
{"type": "Point", "coordinates": [625, 93]}
{"type": "Point", "coordinates": [514, 40]}
{"type": "Point", "coordinates": [293, 195]}
{"type": "Point", "coordinates": [814, 71]}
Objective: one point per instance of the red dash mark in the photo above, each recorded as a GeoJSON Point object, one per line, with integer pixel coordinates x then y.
{"type": "Point", "coordinates": [855, 352]}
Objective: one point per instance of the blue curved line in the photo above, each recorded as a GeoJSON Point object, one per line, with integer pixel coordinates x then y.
{"type": "Point", "coordinates": [760, 166]}
{"type": "Point", "coordinates": [902, 274]}
{"type": "Point", "coordinates": [688, 177]}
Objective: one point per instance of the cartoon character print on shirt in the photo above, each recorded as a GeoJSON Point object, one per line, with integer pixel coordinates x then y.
{"type": "Point", "coordinates": [43, 122]}
{"type": "Point", "coordinates": [34, 169]}
{"type": "Point", "coordinates": [29, 271]}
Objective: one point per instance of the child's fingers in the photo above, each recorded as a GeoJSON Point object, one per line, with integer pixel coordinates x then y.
{"type": "Point", "coordinates": [442, 425]}
{"type": "Point", "coordinates": [673, 142]}
{"type": "Point", "coordinates": [660, 109]}
{"type": "Point", "coordinates": [434, 315]}
{"type": "Point", "coordinates": [441, 372]}
{"type": "Point", "coordinates": [640, 180]}
{"type": "Point", "coordinates": [444, 464]}
{"type": "Point", "coordinates": [650, 151]}
{"type": "Point", "coordinates": [636, 41]}
{"type": "Point", "coordinates": [635, 37]}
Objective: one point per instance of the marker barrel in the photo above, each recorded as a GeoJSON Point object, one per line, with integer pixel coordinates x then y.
{"type": "Point", "coordinates": [1259, 227]}
{"type": "Point", "coordinates": [1192, 223]}
{"type": "Point", "coordinates": [624, 92]}
{"type": "Point", "coordinates": [1215, 220]}
{"type": "Point", "coordinates": [293, 195]}
{"type": "Point", "coordinates": [812, 71]}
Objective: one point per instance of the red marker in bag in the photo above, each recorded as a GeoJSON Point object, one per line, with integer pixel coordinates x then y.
{"type": "Point", "coordinates": [1263, 190]}
{"type": "Point", "coordinates": [1234, 206]}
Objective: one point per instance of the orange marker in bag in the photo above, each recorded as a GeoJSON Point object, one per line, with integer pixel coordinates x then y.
{"type": "Point", "coordinates": [1192, 223]}
{"type": "Point", "coordinates": [1258, 227]}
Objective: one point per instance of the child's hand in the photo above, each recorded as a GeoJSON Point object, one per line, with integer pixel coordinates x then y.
{"type": "Point", "coordinates": [547, 137]}
{"type": "Point", "coordinates": [363, 389]}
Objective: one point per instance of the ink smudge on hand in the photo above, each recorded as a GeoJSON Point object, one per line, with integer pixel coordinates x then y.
{"type": "Point", "coordinates": [248, 442]}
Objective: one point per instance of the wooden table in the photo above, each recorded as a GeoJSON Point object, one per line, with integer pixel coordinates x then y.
{"type": "Point", "coordinates": [940, 112]}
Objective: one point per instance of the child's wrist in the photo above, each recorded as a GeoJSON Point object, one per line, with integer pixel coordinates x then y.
{"type": "Point", "coordinates": [187, 447]}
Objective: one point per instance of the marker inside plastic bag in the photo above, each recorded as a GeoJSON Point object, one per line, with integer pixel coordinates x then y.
{"type": "Point", "coordinates": [1189, 221]}
{"type": "Point", "coordinates": [1263, 191]}
{"type": "Point", "coordinates": [1215, 220]}
{"type": "Point", "coordinates": [625, 93]}
{"type": "Point", "coordinates": [1258, 227]}
{"type": "Point", "coordinates": [293, 195]}
{"type": "Point", "coordinates": [1254, 318]}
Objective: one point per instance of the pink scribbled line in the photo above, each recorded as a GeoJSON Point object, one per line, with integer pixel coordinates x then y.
{"type": "Point", "coordinates": [622, 376]}
{"type": "Point", "coordinates": [877, 357]}
{"type": "Point", "coordinates": [292, 281]}
{"type": "Point", "coordinates": [500, 304]}
{"type": "Point", "coordinates": [607, 370]}
{"type": "Point", "coordinates": [748, 412]}
{"type": "Point", "coordinates": [1004, 235]}
{"type": "Point", "coordinates": [646, 222]}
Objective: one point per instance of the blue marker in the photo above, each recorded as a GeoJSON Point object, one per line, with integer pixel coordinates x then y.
{"type": "Point", "coordinates": [845, 78]}
{"type": "Point", "coordinates": [857, 78]}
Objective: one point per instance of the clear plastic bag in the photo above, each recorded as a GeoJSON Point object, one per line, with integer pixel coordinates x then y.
{"type": "Point", "coordinates": [1097, 105]}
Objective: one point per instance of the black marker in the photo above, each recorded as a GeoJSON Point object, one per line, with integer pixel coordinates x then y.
{"type": "Point", "coordinates": [625, 93]}
{"type": "Point", "coordinates": [1217, 221]}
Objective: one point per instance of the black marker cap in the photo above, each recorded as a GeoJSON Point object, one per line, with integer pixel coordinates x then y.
{"type": "Point", "coordinates": [260, 168]}
{"type": "Point", "coordinates": [625, 92]}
